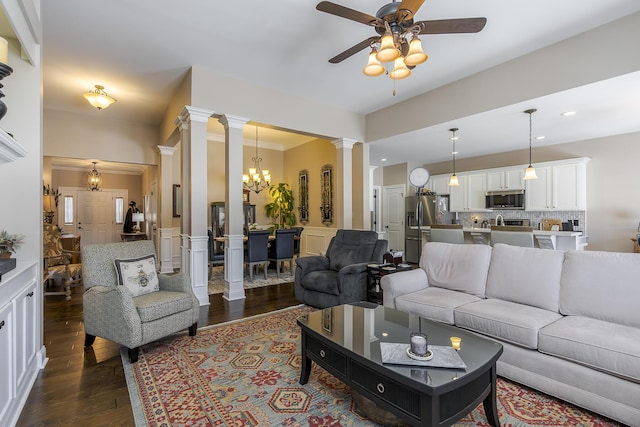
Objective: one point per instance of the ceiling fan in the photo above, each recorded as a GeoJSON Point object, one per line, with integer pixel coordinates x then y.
{"type": "Point", "coordinates": [398, 34]}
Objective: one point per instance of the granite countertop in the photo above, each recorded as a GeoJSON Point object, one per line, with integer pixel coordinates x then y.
{"type": "Point", "coordinates": [538, 232]}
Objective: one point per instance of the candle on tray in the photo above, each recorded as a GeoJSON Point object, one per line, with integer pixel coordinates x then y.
{"type": "Point", "coordinates": [418, 343]}
{"type": "Point", "coordinates": [455, 342]}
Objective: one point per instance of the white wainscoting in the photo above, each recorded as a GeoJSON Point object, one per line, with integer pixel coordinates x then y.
{"type": "Point", "coordinates": [315, 240]}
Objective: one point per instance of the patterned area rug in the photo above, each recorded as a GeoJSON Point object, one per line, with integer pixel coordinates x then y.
{"type": "Point", "coordinates": [216, 281]}
{"type": "Point", "coordinates": [245, 373]}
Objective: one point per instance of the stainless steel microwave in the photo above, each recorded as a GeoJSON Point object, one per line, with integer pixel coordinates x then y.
{"type": "Point", "coordinates": [509, 199]}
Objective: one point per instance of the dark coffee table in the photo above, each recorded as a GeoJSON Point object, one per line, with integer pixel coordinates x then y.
{"type": "Point", "coordinates": [345, 341]}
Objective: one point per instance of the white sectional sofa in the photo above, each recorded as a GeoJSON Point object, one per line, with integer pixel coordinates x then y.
{"type": "Point", "coordinates": [569, 321]}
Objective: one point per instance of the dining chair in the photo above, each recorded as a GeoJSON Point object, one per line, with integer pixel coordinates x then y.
{"type": "Point", "coordinates": [216, 253]}
{"type": "Point", "coordinates": [296, 242]}
{"type": "Point", "coordinates": [512, 235]}
{"type": "Point", "coordinates": [282, 249]}
{"type": "Point", "coordinates": [256, 251]}
{"type": "Point", "coordinates": [447, 233]}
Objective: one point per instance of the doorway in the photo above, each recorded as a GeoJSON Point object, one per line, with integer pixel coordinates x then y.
{"type": "Point", "coordinates": [393, 215]}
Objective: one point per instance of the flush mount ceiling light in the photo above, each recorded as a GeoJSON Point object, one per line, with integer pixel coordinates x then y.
{"type": "Point", "coordinates": [453, 181]}
{"type": "Point", "coordinates": [99, 98]}
{"type": "Point", "coordinates": [530, 172]}
{"type": "Point", "coordinates": [94, 178]}
{"type": "Point", "coordinates": [257, 179]}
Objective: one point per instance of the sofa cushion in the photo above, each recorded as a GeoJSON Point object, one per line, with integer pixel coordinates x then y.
{"type": "Point", "coordinates": [434, 303]}
{"type": "Point", "coordinates": [322, 281]}
{"type": "Point", "coordinates": [601, 285]}
{"type": "Point", "coordinates": [156, 305]}
{"type": "Point", "coordinates": [351, 247]}
{"type": "Point", "coordinates": [515, 323]}
{"type": "Point", "coordinates": [525, 275]}
{"type": "Point", "coordinates": [595, 343]}
{"type": "Point", "coordinates": [457, 267]}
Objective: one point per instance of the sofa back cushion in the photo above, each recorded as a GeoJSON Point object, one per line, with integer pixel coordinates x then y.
{"type": "Point", "coordinates": [601, 285]}
{"type": "Point", "coordinates": [528, 276]}
{"type": "Point", "coordinates": [457, 267]}
{"type": "Point", "coordinates": [354, 246]}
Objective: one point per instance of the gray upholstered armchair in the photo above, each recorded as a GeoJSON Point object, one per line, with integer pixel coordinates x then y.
{"type": "Point", "coordinates": [340, 277]}
{"type": "Point", "coordinates": [128, 302]}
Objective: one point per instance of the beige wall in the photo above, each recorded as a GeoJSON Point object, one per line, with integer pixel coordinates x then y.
{"type": "Point", "coordinates": [182, 97]}
{"type": "Point", "coordinates": [310, 156]}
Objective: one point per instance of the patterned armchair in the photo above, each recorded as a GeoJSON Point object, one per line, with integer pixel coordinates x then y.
{"type": "Point", "coordinates": [128, 302]}
{"type": "Point", "coordinates": [58, 263]}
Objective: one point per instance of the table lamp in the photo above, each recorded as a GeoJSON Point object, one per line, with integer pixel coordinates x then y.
{"type": "Point", "coordinates": [137, 217]}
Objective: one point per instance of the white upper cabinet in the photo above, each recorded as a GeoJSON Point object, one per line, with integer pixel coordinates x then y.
{"type": "Point", "coordinates": [469, 195]}
{"type": "Point", "coordinates": [559, 186]}
{"type": "Point", "coordinates": [439, 184]}
{"type": "Point", "coordinates": [505, 179]}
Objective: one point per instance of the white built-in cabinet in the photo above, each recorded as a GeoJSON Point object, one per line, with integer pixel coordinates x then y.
{"type": "Point", "coordinates": [469, 195]}
{"type": "Point", "coordinates": [561, 185]}
{"type": "Point", "coordinates": [19, 338]}
{"type": "Point", "coordinates": [439, 184]}
{"type": "Point", "coordinates": [505, 179]}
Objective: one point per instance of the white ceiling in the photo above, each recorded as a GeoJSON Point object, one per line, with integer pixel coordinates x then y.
{"type": "Point", "coordinates": [140, 52]}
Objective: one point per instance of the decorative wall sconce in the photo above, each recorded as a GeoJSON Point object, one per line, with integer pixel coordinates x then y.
{"type": "Point", "coordinates": [326, 208]}
{"type": "Point", "coordinates": [303, 183]}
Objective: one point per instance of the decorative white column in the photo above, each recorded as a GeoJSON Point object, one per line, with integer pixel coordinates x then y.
{"type": "Point", "coordinates": [234, 214]}
{"type": "Point", "coordinates": [344, 182]}
{"type": "Point", "coordinates": [194, 199]}
{"type": "Point", "coordinates": [165, 228]}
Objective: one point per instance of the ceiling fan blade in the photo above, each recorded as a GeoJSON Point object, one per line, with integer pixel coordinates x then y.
{"type": "Point", "coordinates": [452, 26]}
{"type": "Point", "coordinates": [345, 12]}
{"type": "Point", "coordinates": [410, 5]}
{"type": "Point", "coordinates": [353, 50]}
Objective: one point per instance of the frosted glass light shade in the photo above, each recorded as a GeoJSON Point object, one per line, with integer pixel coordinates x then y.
{"type": "Point", "coordinates": [388, 51]}
{"type": "Point", "coordinates": [400, 70]}
{"type": "Point", "coordinates": [99, 98]}
{"type": "Point", "coordinates": [453, 181]}
{"type": "Point", "coordinates": [530, 173]}
{"type": "Point", "coordinates": [415, 55]}
{"type": "Point", "coordinates": [374, 67]}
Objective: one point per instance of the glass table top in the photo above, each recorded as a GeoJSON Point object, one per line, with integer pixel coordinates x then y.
{"type": "Point", "coordinates": [361, 327]}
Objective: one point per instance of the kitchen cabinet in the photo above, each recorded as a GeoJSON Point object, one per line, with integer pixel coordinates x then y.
{"type": "Point", "coordinates": [505, 179]}
{"type": "Point", "coordinates": [20, 320]}
{"type": "Point", "coordinates": [439, 184]}
{"type": "Point", "coordinates": [469, 195]}
{"type": "Point", "coordinates": [559, 186]}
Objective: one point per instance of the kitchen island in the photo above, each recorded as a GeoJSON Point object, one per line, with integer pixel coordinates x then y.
{"type": "Point", "coordinates": [561, 240]}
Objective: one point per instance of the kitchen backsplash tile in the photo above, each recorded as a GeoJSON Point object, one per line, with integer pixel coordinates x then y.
{"type": "Point", "coordinates": [534, 217]}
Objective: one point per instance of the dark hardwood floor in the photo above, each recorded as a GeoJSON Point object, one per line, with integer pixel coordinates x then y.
{"type": "Point", "coordinates": [81, 387]}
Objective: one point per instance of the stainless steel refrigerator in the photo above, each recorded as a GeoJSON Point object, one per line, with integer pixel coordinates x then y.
{"type": "Point", "coordinates": [422, 211]}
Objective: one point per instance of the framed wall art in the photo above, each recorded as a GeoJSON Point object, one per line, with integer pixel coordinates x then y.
{"type": "Point", "coordinates": [303, 183]}
{"type": "Point", "coordinates": [177, 200]}
{"type": "Point", "coordinates": [326, 207]}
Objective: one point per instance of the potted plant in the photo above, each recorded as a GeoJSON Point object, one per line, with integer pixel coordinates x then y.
{"type": "Point", "coordinates": [280, 210]}
{"type": "Point", "coordinates": [9, 243]}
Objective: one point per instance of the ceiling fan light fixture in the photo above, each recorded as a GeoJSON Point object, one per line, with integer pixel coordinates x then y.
{"type": "Point", "coordinates": [388, 51]}
{"type": "Point", "coordinates": [374, 67]}
{"type": "Point", "coordinates": [99, 98]}
{"type": "Point", "coordinates": [416, 55]}
{"type": "Point", "coordinates": [400, 70]}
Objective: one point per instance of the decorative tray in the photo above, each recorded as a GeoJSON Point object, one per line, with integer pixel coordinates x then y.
{"type": "Point", "coordinates": [442, 356]}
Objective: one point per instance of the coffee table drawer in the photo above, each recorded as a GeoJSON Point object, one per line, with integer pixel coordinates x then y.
{"type": "Point", "coordinates": [326, 356]}
{"type": "Point", "coordinates": [386, 389]}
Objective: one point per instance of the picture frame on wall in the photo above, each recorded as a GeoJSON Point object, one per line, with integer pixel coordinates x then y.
{"type": "Point", "coordinates": [177, 200]}
{"type": "Point", "coordinates": [245, 196]}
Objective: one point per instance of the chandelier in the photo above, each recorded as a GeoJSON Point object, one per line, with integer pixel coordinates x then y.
{"type": "Point", "coordinates": [257, 179]}
{"type": "Point", "coordinates": [395, 46]}
{"type": "Point", "coordinates": [530, 172]}
{"type": "Point", "coordinates": [94, 178]}
{"type": "Point", "coordinates": [99, 98]}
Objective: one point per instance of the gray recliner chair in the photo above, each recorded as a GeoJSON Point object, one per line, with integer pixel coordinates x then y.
{"type": "Point", "coordinates": [112, 311]}
{"type": "Point", "coordinates": [340, 277]}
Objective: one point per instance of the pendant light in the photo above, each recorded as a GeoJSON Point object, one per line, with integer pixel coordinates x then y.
{"type": "Point", "coordinates": [453, 181]}
{"type": "Point", "coordinates": [94, 179]}
{"type": "Point", "coordinates": [530, 172]}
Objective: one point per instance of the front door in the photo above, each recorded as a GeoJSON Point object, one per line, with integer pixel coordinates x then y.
{"type": "Point", "coordinates": [393, 215]}
{"type": "Point", "coordinates": [95, 217]}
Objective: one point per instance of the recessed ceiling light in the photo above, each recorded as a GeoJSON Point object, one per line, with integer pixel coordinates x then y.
{"type": "Point", "coordinates": [540, 137]}
{"type": "Point", "coordinates": [568, 113]}
{"type": "Point", "coordinates": [454, 152]}
{"type": "Point", "coordinates": [383, 160]}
